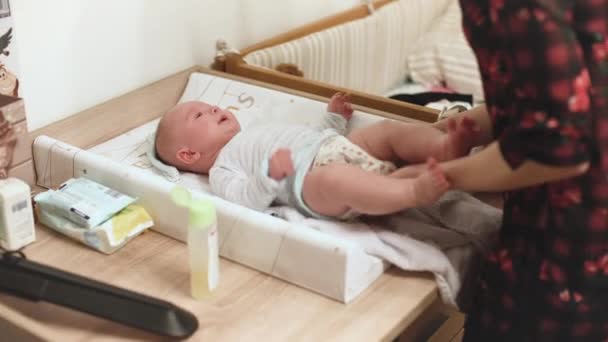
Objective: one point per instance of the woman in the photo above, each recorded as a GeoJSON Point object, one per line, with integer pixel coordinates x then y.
{"type": "Point", "coordinates": [544, 65]}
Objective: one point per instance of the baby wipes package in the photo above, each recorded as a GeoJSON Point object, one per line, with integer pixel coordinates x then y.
{"type": "Point", "coordinates": [109, 236]}
{"type": "Point", "coordinates": [83, 201]}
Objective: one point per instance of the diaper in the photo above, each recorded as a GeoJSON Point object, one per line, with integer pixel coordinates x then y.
{"type": "Point", "coordinates": [338, 149]}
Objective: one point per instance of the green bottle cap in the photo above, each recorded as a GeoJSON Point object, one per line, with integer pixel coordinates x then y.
{"type": "Point", "coordinates": [202, 212]}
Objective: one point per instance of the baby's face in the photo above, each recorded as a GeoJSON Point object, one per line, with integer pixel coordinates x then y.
{"type": "Point", "coordinates": [204, 128]}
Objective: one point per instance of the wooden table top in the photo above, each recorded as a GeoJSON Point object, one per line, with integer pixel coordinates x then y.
{"type": "Point", "coordinates": [248, 305]}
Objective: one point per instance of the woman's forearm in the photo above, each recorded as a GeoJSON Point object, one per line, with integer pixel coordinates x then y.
{"type": "Point", "coordinates": [480, 115]}
{"type": "Point", "coordinates": [488, 171]}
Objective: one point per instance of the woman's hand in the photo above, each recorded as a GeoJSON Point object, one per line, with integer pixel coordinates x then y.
{"type": "Point", "coordinates": [478, 114]}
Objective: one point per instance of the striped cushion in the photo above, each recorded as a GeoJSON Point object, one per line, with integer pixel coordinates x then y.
{"type": "Point", "coordinates": [368, 55]}
{"type": "Point", "coordinates": [444, 55]}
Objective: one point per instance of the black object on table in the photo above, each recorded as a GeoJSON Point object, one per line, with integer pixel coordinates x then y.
{"type": "Point", "coordinates": [37, 282]}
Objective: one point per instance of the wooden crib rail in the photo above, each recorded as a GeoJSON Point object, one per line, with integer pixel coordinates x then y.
{"type": "Point", "coordinates": [234, 63]}
{"type": "Point", "coordinates": [354, 13]}
{"type": "Point", "coordinates": [237, 66]}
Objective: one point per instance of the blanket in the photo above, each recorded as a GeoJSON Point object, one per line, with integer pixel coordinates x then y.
{"type": "Point", "coordinates": [438, 238]}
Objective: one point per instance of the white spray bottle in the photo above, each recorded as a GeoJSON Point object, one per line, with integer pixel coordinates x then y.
{"type": "Point", "coordinates": [202, 242]}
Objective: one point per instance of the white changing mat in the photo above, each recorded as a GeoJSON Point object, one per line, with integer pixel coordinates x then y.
{"type": "Point", "coordinates": [288, 251]}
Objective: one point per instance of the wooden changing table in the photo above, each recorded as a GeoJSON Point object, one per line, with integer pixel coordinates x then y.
{"type": "Point", "coordinates": [248, 305]}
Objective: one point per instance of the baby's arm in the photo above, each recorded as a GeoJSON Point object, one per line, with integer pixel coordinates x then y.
{"type": "Point", "coordinates": [339, 112]}
{"type": "Point", "coordinates": [339, 104]}
{"type": "Point", "coordinates": [333, 121]}
{"type": "Point", "coordinates": [253, 191]}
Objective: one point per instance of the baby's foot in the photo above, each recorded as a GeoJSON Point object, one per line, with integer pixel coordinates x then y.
{"type": "Point", "coordinates": [459, 139]}
{"type": "Point", "coordinates": [431, 184]}
{"type": "Point", "coordinates": [339, 104]}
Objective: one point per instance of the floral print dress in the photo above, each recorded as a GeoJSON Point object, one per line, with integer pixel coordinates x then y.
{"type": "Point", "coordinates": [544, 65]}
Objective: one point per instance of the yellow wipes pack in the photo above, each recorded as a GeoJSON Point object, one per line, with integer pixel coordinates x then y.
{"type": "Point", "coordinates": [108, 236]}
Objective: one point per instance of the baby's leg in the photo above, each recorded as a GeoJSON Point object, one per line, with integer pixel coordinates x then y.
{"type": "Point", "coordinates": [333, 189]}
{"type": "Point", "coordinates": [399, 141]}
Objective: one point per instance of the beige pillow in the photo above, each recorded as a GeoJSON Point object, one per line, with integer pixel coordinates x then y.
{"type": "Point", "coordinates": [368, 54]}
{"type": "Point", "coordinates": [443, 56]}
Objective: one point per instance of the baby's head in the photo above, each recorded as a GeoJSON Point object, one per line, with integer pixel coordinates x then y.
{"type": "Point", "coordinates": [191, 135]}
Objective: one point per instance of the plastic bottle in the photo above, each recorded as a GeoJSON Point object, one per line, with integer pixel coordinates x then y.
{"type": "Point", "coordinates": [16, 216]}
{"type": "Point", "coordinates": [202, 243]}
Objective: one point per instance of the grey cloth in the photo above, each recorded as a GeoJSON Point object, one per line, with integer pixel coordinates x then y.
{"type": "Point", "coordinates": [456, 219]}
{"type": "Point", "coordinates": [442, 238]}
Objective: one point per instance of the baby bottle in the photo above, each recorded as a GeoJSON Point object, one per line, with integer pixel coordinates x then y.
{"type": "Point", "coordinates": [202, 243]}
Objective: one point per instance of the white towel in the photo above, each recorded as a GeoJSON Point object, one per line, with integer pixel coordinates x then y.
{"type": "Point", "coordinates": [418, 239]}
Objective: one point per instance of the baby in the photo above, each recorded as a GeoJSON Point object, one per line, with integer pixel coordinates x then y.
{"type": "Point", "coordinates": [317, 170]}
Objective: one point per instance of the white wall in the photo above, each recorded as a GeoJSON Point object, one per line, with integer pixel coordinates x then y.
{"type": "Point", "coordinates": [74, 54]}
{"type": "Point", "coordinates": [244, 22]}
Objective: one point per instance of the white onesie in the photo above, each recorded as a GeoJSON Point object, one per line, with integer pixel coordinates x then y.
{"type": "Point", "coordinates": [240, 172]}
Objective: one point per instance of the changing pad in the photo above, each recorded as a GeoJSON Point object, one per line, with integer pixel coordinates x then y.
{"type": "Point", "coordinates": [253, 236]}
{"type": "Point", "coordinates": [289, 251]}
{"type": "Point", "coordinates": [292, 252]}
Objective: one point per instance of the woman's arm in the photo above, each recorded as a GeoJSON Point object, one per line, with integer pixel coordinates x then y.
{"type": "Point", "coordinates": [488, 171]}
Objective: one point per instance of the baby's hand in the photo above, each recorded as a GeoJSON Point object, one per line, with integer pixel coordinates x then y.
{"type": "Point", "coordinates": [339, 104]}
{"type": "Point", "coordinates": [280, 165]}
